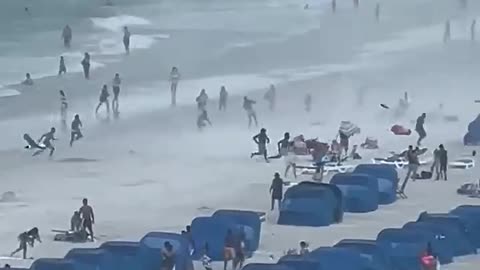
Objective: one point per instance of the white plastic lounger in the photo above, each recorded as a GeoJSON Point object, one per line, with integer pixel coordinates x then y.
{"type": "Point", "coordinates": [462, 163]}
{"type": "Point", "coordinates": [400, 162]}
{"type": "Point", "coordinates": [327, 168]}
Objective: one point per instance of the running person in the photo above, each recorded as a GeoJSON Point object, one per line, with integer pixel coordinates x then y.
{"type": "Point", "coordinates": [202, 100]}
{"type": "Point", "coordinates": [270, 97]}
{"type": "Point", "coordinates": [116, 82]}
{"type": "Point", "coordinates": [76, 133]}
{"type": "Point", "coordinates": [47, 139]}
{"type": "Point", "coordinates": [222, 104]}
{"type": "Point", "coordinates": [420, 129]}
{"type": "Point", "coordinates": [261, 139]}
{"type": "Point", "coordinates": [203, 119]}
{"type": "Point", "coordinates": [88, 218]}
{"type": "Point", "coordinates": [86, 65]}
{"type": "Point", "coordinates": [62, 69]}
{"type": "Point", "coordinates": [67, 36]}
{"type": "Point", "coordinates": [443, 160]}
{"type": "Point", "coordinates": [25, 238]}
{"type": "Point", "coordinates": [174, 79]}
{"type": "Point", "coordinates": [248, 107]}
{"type": "Point", "coordinates": [126, 39]}
{"type": "Point", "coordinates": [103, 99]}
{"type": "Point", "coordinates": [63, 109]}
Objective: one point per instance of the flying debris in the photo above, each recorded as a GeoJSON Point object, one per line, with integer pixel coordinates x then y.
{"type": "Point", "coordinates": [384, 106]}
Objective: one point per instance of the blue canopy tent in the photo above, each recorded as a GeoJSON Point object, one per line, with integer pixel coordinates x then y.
{"type": "Point", "coordinates": [212, 231]}
{"type": "Point", "coordinates": [441, 247]}
{"type": "Point", "coordinates": [369, 249]}
{"type": "Point", "coordinates": [52, 264]}
{"type": "Point", "coordinates": [470, 215]}
{"type": "Point", "coordinates": [90, 258]}
{"type": "Point", "coordinates": [151, 245]}
{"type": "Point", "coordinates": [457, 230]}
{"type": "Point", "coordinates": [125, 254]}
{"type": "Point", "coordinates": [333, 258]}
{"type": "Point", "coordinates": [360, 191]}
{"type": "Point", "coordinates": [404, 247]}
{"type": "Point", "coordinates": [472, 137]}
{"type": "Point", "coordinates": [297, 262]}
{"type": "Point", "coordinates": [250, 223]}
{"type": "Point", "coordinates": [308, 204]}
{"type": "Point", "coordinates": [265, 266]}
{"type": "Point", "coordinates": [387, 180]}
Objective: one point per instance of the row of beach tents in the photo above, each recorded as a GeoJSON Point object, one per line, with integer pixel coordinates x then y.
{"type": "Point", "coordinates": [448, 235]}
{"type": "Point", "coordinates": [317, 204]}
{"type": "Point", "coordinates": [305, 204]}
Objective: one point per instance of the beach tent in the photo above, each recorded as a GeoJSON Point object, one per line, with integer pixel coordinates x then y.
{"type": "Point", "coordinates": [441, 244]}
{"type": "Point", "coordinates": [152, 244]}
{"type": "Point", "coordinates": [360, 191]}
{"type": "Point", "coordinates": [369, 249]}
{"type": "Point", "coordinates": [90, 258]}
{"type": "Point", "coordinates": [387, 180]}
{"type": "Point", "coordinates": [470, 215]}
{"type": "Point", "coordinates": [52, 264]}
{"type": "Point", "coordinates": [249, 222]}
{"type": "Point", "coordinates": [403, 247]}
{"type": "Point", "coordinates": [212, 231]}
{"type": "Point", "coordinates": [265, 266]}
{"type": "Point", "coordinates": [334, 258]}
{"type": "Point", "coordinates": [456, 228]}
{"type": "Point", "coordinates": [124, 254]}
{"type": "Point", "coordinates": [473, 135]}
{"type": "Point", "coordinates": [311, 204]}
{"type": "Point", "coordinates": [297, 262]}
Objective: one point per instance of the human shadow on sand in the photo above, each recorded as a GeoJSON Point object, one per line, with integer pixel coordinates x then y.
{"type": "Point", "coordinates": [77, 160]}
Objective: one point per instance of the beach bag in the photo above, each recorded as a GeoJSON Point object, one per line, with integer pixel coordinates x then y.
{"type": "Point", "coordinates": [400, 130]}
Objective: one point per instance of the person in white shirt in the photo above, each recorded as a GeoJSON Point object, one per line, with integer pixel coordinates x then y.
{"type": "Point", "coordinates": [116, 91]}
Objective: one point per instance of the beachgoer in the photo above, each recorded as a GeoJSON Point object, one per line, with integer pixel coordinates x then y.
{"type": "Point", "coordinates": [174, 79]}
{"type": "Point", "coordinates": [206, 261]}
{"type": "Point", "coordinates": [446, 33]}
{"type": "Point", "coordinates": [413, 164]}
{"type": "Point", "coordinates": [76, 133]}
{"type": "Point", "coordinates": [443, 160]}
{"type": "Point", "coordinates": [334, 6]}
{"type": "Point", "coordinates": [222, 104]}
{"type": "Point", "coordinates": [473, 27]}
{"type": "Point", "coordinates": [203, 119]}
{"type": "Point", "coordinates": [276, 191]}
{"type": "Point", "coordinates": [88, 218]}
{"type": "Point", "coordinates": [304, 250]}
{"type": "Point", "coordinates": [103, 99]}
{"type": "Point", "coordinates": [282, 146]}
{"type": "Point", "coordinates": [62, 69]}
{"type": "Point", "coordinates": [126, 39]}
{"type": "Point", "coordinates": [86, 65]}
{"type": "Point", "coordinates": [239, 246]}
{"type": "Point", "coordinates": [28, 237]}
{"type": "Point", "coordinates": [202, 100]}
{"type": "Point", "coordinates": [67, 36]}
{"type": "Point", "coordinates": [377, 12]}
{"type": "Point", "coordinates": [168, 256]}
{"type": "Point", "coordinates": [228, 249]}
{"type": "Point", "coordinates": [308, 102]}
{"type": "Point", "coordinates": [436, 163]}
{"type": "Point", "coordinates": [7, 266]}
{"type": "Point", "coordinates": [28, 80]}
{"type": "Point", "coordinates": [248, 107]}
{"type": "Point", "coordinates": [47, 139]}
{"type": "Point", "coordinates": [63, 110]}
{"type": "Point", "coordinates": [356, 3]}
{"type": "Point", "coordinates": [116, 82]}
{"type": "Point", "coordinates": [344, 143]}
{"type": "Point", "coordinates": [270, 97]}
{"type": "Point", "coordinates": [76, 222]}
{"type": "Point", "coordinates": [420, 129]}
{"type": "Point", "coordinates": [261, 139]}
